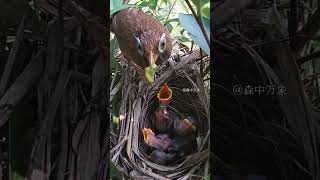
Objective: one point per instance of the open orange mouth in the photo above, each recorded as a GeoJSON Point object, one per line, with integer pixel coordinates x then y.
{"type": "Point", "coordinates": [146, 132]}
{"type": "Point", "coordinates": [165, 94]}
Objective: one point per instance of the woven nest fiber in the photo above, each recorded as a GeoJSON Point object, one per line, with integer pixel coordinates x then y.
{"type": "Point", "coordinates": [139, 100]}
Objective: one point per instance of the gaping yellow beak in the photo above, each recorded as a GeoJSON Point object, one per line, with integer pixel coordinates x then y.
{"type": "Point", "coordinates": [147, 132]}
{"type": "Point", "coordinates": [165, 94]}
{"type": "Point", "coordinates": [151, 69]}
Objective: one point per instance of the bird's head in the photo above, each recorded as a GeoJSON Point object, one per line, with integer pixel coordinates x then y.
{"type": "Point", "coordinates": [162, 114]}
{"type": "Point", "coordinates": [164, 95]}
{"type": "Point", "coordinates": [190, 124]}
{"type": "Point", "coordinates": [160, 142]}
{"type": "Point", "coordinates": [154, 48]}
{"type": "Point", "coordinates": [147, 133]}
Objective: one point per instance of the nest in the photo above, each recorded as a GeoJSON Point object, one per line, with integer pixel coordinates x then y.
{"type": "Point", "coordinates": [139, 99]}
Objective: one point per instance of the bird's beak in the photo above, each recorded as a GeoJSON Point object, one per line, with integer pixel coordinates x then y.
{"type": "Point", "coordinates": [190, 124]}
{"type": "Point", "coordinates": [151, 69]}
{"type": "Point", "coordinates": [146, 134]}
{"type": "Point", "coordinates": [165, 94]}
{"type": "Point", "coordinates": [150, 138]}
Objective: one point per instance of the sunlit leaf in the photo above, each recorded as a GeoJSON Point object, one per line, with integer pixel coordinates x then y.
{"type": "Point", "coordinates": [205, 2]}
{"type": "Point", "coordinates": [115, 119]}
{"type": "Point", "coordinates": [173, 20]}
{"type": "Point", "coordinates": [161, 17]}
{"type": "Point", "coordinates": [164, 2]}
{"type": "Point", "coordinates": [184, 39]}
{"type": "Point", "coordinates": [184, 6]}
{"type": "Point", "coordinates": [190, 24]}
{"type": "Point", "coordinates": [197, 3]}
{"type": "Point", "coordinates": [115, 3]}
{"type": "Point", "coordinates": [121, 7]}
{"type": "Point", "coordinates": [153, 4]}
{"type": "Point", "coordinates": [205, 10]}
{"type": "Point", "coordinates": [142, 3]}
{"type": "Point", "coordinates": [182, 31]}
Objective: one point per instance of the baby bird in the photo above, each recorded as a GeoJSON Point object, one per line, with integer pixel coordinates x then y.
{"type": "Point", "coordinates": [160, 142]}
{"type": "Point", "coordinates": [162, 116]}
{"type": "Point", "coordinates": [180, 144]}
{"type": "Point", "coordinates": [164, 95]}
{"type": "Point", "coordinates": [162, 119]}
{"type": "Point", "coordinates": [161, 157]}
{"type": "Point", "coordinates": [185, 126]}
{"type": "Point", "coordinates": [183, 145]}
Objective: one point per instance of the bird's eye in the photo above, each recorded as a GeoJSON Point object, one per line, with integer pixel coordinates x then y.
{"type": "Point", "coordinates": [139, 46]}
{"type": "Point", "coordinates": [162, 43]}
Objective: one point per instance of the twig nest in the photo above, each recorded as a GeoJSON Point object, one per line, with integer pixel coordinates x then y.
{"type": "Point", "coordinates": [139, 100]}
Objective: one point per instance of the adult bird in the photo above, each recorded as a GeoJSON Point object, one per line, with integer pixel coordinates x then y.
{"type": "Point", "coordinates": [143, 40]}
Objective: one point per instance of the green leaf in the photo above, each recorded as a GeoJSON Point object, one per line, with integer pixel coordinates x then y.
{"type": "Point", "coordinates": [17, 176]}
{"type": "Point", "coordinates": [316, 44]}
{"type": "Point", "coordinates": [153, 4]}
{"type": "Point", "coordinates": [161, 17]}
{"type": "Point", "coordinates": [113, 171]}
{"type": "Point", "coordinates": [206, 24]}
{"type": "Point", "coordinates": [182, 31]}
{"type": "Point", "coordinates": [184, 6]}
{"type": "Point", "coordinates": [197, 3]}
{"type": "Point", "coordinates": [184, 39]}
{"type": "Point", "coordinates": [115, 4]}
{"type": "Point", "coordinates": [142, 4]}
{"type": "Point", "coordinates": [205, 2]}
{"type": "Point", "coordinates": [121, 7]}
{"type": "Point", "coordinates": [149, 72]}
{"type": "Point", "coordinates": [173, 20]}
{"type": "Point", "coordinates": [189, 23]}
{"type": "Point", "coordinates": [113, 47]}
{"type": "Point", "coordinates": [169, 27]}
{"type": "Point", "coordinates": [164, 2]}
{"type": "Point", "coordinates": [205, 10]}
{"type": "Point", "coordinates": [115, 120]}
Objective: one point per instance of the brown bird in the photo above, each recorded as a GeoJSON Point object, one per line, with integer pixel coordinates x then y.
{"type": "Point", "coordinates": [142, 39]}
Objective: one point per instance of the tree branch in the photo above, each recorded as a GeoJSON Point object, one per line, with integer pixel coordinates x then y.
{"type": "Point", "coordinates": [308, 57]}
